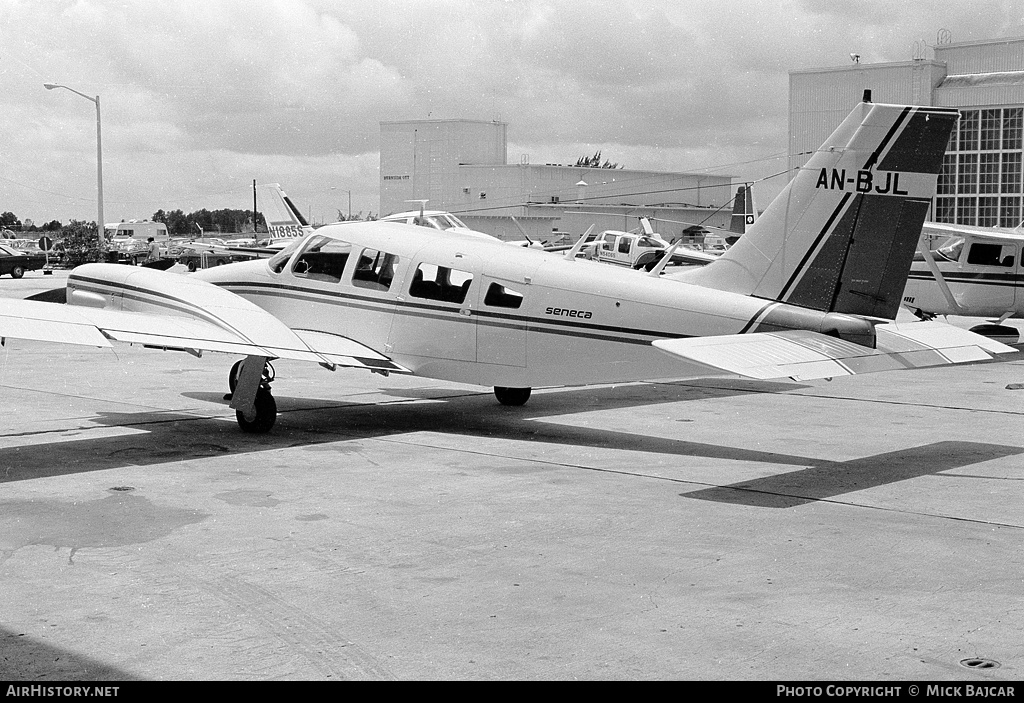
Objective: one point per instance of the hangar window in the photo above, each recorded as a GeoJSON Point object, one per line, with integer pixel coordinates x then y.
{"type": "Point", "coordinates": [322, 259]}
{"type": "Point", "coordinates": [990, 129]}
{"type": "Point", "coordinates": [969, 130]}
{"type": "Point", "coordinates": [968, 181]}
{"type": "Point", "coordinates": [988, 174]}
{"type": "Point", "coordinates": [1013, 119]}
{"type": "Point", "coordinates": [375, 270]}
{"type": "Point", "coordinates": [499, 296]}
{"type": "Point", "coordinates": [1009, 212]}
{"type": "Point", "coordinates": [1011, 174]}
{"type": "Point", "coordinates": [947, 176]}
{"type": "Point", "coordinates": [988, 211]}
{"type": "Point", "coordinates": [440, 283]}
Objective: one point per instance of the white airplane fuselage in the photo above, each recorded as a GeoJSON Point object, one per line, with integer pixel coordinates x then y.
{"type": "Point", "coordinates": [981, 275]}
{"type": "Point", "coordinates": [558, 321]}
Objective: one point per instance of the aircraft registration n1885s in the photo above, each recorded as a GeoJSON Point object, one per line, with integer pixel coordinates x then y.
{"type": "Point", "coordinates": [808, 292]}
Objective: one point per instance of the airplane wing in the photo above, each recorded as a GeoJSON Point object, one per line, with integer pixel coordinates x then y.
{"type": "Point", "coordinates": [175, 313]}
{"type": "Point", "coordinates": [803, 355]}
{"type": "Point", "coordinates": [692, 256]}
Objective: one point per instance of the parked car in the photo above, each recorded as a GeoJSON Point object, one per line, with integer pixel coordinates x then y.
{"type": "Point", "coordinates": [16, 261]}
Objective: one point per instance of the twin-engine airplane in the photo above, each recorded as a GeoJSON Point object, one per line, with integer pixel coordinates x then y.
{"type": "Point", "coordinates": [976, 272]}
{"type": "Point", "coordinates": [803, 294]}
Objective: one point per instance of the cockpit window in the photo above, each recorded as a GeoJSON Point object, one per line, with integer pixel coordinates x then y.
{"type": "Point", "coordinates": [950, 251]}
{"type": "Point", "coordinates": [375, 269]}
{"type": "Point", "coordinates": [279, 260]}
{"type": "Point", "coordinates": [440, 283]}
{"type": "Point", "coordinates": [322, 259]}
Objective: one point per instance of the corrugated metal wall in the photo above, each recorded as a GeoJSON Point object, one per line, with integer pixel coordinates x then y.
{"type": "Point", "coordinates": [982, 57]}
{"type": "Point", "coordinates": [819, 100]}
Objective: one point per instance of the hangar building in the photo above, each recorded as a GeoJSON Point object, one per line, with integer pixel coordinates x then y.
{"type": "Point", "coordinates": [461, 166]}
{"type": "Point", "coordinates": [980, 183]}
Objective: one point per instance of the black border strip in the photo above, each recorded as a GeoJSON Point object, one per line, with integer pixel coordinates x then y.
{"type": "Point", "coordinates": [798, 271]}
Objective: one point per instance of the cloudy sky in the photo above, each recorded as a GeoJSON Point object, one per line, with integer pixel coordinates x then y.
{"type": "Point", "coordinates": [200, 97]}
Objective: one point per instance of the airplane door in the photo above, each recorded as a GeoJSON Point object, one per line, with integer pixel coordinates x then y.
{"type": "Point", "coordinates": [989, 272]}
{"type": "Point", "coordinates": [501, 327]}
{"type": "Point", "coordinates": [501, 320]}
{"type": "Point", "coordinates": [434, 318]}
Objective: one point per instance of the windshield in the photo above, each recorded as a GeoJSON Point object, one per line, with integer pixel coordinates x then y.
{"type": "Point", "coordinates": [278, 260]}
{"type": "Point", "coordinates": [950, 251]}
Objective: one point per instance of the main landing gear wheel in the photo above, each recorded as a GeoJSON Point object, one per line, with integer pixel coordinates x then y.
{"type": "Point", "coordinates": [266, 414]}
{"type": "Point", "coordinates": [236, 369]}
{"type": "Point", "coordinates": [512, 396]}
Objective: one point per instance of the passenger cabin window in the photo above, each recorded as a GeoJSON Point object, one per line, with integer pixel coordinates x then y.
{"type": "Point", "coordinates": [499, 296]}
{"type": "Point", "coordinates": [990, 255]}
{"type": "Point", "coordinates": [440, 283]}
{"type": "Point", "coordinates": [322, 259]}
{"type": "Point", "coordinates": [624, 245]}
{"type": "Point", "coordinates": [375, 270]}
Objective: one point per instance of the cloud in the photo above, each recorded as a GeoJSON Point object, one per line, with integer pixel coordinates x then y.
{"type": "Point", "coordinates": [201, 96]}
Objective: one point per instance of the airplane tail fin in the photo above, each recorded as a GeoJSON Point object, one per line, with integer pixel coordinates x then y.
{"type": "Point", "coordinates": [744, 212]}
{"type": "Point", "coordinates": [283, 218]}
{"type": "Point", "coordinates": [841, 236]}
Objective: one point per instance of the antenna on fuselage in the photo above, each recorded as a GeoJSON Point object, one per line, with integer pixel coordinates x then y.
{"type": "Point", "coordinates": [660, 266]}
{"type": "Point", "coordinates": [571, 254]}
{"type": "Point", "coordinates": [523, 231]}
{"type": "Point", "coordinates": [423, 206]}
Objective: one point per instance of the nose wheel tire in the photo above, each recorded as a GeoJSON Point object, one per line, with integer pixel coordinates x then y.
{"type": "Point", "coordinates": [266, 414]}
{"type": "Point", "coordinates": [512, 396]}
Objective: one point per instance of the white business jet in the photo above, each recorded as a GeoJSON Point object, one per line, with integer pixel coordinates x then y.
{"type": "Point", "coordinates": [805, 293]}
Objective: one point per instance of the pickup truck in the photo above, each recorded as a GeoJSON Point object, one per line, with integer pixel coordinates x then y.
{"type": "Point", "coordinates": [638, 250]}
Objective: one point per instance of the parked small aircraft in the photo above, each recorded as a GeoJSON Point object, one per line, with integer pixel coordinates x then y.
{"type": "Point", "coordinates": [976, 272]}
{"type": "Point", "coordinates": [803, 294]}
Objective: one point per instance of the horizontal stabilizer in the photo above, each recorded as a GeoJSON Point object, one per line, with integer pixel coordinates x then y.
{"type": "Point", "coordinates": [803, 355]}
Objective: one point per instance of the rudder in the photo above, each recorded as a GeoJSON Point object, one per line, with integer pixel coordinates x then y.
{"type": "Point", "coordinates": [841, 235]}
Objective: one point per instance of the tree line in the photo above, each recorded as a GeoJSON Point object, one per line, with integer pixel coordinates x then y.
{"type": "Point", "coordinates": [179, 224]}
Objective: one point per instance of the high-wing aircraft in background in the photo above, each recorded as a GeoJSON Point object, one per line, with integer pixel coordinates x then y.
{"type": "Point", "coordinates": [975, 272]}
{"type": "Point", "coordinates": [805, 293]}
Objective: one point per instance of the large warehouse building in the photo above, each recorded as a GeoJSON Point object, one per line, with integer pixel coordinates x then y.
{"type": "Point", "coordinates": [980, 183]}
{"type": "Point", "coordinates": [461, 166]}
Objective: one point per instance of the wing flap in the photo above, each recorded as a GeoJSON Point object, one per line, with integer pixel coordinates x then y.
{"type": "Point", "coordinates": [804, 355]}
{"type": "Point", "coordinates": [347, 352]}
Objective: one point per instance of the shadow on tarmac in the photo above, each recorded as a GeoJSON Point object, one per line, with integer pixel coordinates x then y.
{"type": "Point", "coordinates": [28, 660]}
{"type": "Point", "coordinates": [306, 421]}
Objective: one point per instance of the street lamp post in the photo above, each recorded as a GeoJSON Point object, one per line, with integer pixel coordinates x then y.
{"type": "Point", "coordinates": [99, 161]}
{"type": "Point", "coordinates": [349, 199]}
